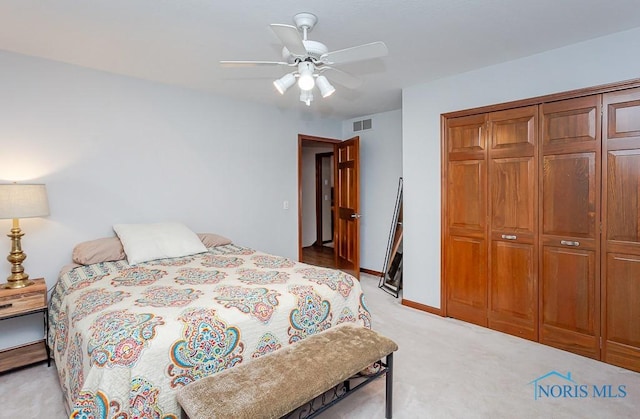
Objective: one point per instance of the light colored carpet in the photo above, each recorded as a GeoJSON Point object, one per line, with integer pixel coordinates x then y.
{"type": "Point", "coordinates": [444, 369]}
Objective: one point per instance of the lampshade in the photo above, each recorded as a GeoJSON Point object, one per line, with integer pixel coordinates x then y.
{"type": "Point", "coordinates": [23, 201]}
{"type": "Point", "coordinates": [285, 82]}
{"type": "Point", "coordinates": [326, 89]}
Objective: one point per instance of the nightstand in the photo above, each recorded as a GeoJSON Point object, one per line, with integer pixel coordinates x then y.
{"type": "Point", "coordinates": [21, 302]}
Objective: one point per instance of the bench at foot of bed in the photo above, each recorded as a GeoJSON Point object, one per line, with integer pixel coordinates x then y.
{"type": "Point", "coordinates": [280, 382]}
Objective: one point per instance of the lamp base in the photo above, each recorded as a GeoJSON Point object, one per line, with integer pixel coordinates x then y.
{"type": "Point", "coordinates": [17, 279]}
{"type": "Point", "coordinates": [12, 284]}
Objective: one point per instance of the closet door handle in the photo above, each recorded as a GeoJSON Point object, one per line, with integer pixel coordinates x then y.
{"type": "Point", "coordinates": [509, 236]}
{"type": "Point", "coordinates": [569, 243]}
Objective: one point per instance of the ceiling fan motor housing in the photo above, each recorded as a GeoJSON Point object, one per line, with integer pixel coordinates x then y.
{"type": "Point", "coordinates": [315, 50]}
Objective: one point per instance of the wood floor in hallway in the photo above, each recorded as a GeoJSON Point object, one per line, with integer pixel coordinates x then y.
{"type": "Point", "coordinates": [318, 256]}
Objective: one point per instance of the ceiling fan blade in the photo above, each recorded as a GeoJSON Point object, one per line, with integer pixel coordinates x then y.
{"type": "Point", "coordinates": [250, 63]}
{"type": "Point", "coordinates": [290, 38]}
{"type": "Point", "coordinates": [342, 77]}
{"type": "Point", "coordinates": [361, 52]}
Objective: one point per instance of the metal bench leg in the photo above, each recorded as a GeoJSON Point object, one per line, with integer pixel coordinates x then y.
{"type": "Point", "coordinates": [389, 387]}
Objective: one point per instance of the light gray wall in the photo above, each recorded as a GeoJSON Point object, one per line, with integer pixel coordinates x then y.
{"type": "Point", "coordinates": [380, 169]}
{"type": "Point", "coordinates": [113, 149]}
{"type": "Point", "coordinates": [599, 61]}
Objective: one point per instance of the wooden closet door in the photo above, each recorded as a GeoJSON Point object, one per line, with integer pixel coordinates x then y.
{"type": "Point", "coordinates": [465, 219]}
{"type": "Point", "coordinates": [621, 230]}
{"type": "Point", "coordinates": [569, 237]}
{"type": "Point", "coordinates": [513, 287]}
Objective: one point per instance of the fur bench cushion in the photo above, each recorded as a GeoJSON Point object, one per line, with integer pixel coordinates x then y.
{"type": "Point", "coordinates": [277, 383]}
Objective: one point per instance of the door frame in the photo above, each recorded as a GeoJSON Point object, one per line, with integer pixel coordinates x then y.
{"type": "Point", "coordinates": [305, 139]}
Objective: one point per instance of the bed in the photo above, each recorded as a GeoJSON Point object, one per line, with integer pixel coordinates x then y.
{"type": "Point", "coordinates": [125, 337]}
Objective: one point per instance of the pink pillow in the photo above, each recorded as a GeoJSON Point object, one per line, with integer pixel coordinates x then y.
{"type": "Point", "coordinates": [100, 250]}
{"type": "Point", "coordinates": [213, 240]}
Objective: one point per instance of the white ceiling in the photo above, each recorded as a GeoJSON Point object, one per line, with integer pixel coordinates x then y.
{"type": "Point", "coordinates": [180, 42]}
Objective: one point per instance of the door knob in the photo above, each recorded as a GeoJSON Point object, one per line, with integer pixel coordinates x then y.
{"type": "Point", "coordinates": [356, 215]}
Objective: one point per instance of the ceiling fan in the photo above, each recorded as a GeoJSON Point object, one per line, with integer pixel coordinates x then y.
{"type": "Point", "coordinates": [312, 60]}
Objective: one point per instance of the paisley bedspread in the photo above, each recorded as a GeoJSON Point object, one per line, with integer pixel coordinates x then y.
{"type": "Point", "coordinates": [126, 338]}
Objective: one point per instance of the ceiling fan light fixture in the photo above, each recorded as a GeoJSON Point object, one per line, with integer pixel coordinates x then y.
{"type": "Point", "coordinates": [308, 60]}
{"type": "Point", "coordinates": [284, 83]}
{"type": "Point", "coordinates": [306, 96]}
{"type": "Point", "coordinates": [326, 89]}
{"type": "Point", "coordinates": [306, 80]}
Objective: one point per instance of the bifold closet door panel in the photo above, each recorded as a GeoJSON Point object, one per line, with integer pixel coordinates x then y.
{"type": "Point", "coordinates": [465, 236]}
{"type": "Point", "coordinates": [621, 230]}
{"type": "Point", "coordinates": [570, 182]}
{"type": "Point", "coordinates": [512, 179]}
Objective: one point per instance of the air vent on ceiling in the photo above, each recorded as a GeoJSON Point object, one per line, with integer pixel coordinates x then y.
{"type": "Point", "coordinates": [362, 125]}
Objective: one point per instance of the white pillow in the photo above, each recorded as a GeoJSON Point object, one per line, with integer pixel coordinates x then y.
{"type": "Point", "coordinates": [145, 242]}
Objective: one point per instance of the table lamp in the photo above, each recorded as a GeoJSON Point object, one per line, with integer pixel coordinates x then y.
{"type": "Point", "coordinates": [20, 201]}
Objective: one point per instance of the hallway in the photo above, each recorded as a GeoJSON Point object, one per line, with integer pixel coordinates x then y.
{"type": "Point", "coordinates": [318, 256]}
